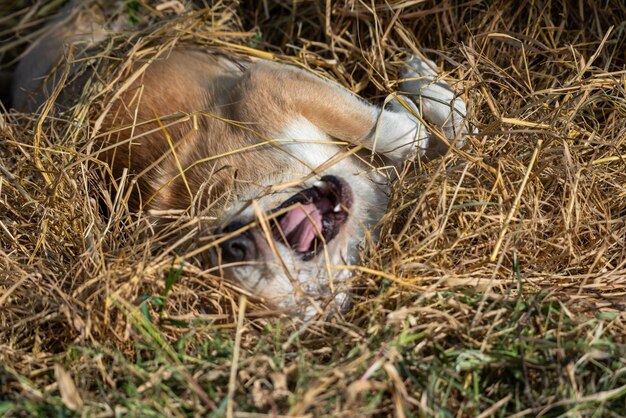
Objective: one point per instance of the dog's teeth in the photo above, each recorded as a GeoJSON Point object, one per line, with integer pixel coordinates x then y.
{"type": "Point", "coordinates": [337, 208]}
{"type": "Point", "coordinates": [321, 184]}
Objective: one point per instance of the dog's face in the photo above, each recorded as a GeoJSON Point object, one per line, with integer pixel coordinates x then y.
{"type": "Point", "coordinates": [291, 246]}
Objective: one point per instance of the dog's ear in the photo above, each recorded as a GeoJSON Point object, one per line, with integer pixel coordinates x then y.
{"type": "Point", "coordinates": [171, 85]}
{"type": "Point", "coordinates": [151, 119]}
{"type": "Point", "coordinates": [157, 125]}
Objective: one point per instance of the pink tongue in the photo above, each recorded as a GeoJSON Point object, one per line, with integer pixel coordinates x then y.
{"type": "Point", "coordinates": [301, 229]}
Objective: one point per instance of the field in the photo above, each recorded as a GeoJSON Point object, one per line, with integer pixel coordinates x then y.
{"type": "Point", "coordinates": [498, 287]}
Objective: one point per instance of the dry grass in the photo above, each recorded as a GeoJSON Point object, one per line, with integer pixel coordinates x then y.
{"type": "Point", "coordinates": [499, 284]}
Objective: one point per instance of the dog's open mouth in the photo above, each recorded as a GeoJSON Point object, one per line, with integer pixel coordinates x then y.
{"type": "Point", "coordinates": [315, 217]}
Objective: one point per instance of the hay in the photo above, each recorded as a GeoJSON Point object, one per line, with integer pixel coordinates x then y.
{"type": "Point", "coordinates": [499, 283]}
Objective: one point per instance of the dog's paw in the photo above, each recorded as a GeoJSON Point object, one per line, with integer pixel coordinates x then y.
{"type": "Point", "coordinates": [417, 139]}
{"type": "Point", "coordinates": [420, 71]}
{"type": "Point", "coordinates": [438, 102]}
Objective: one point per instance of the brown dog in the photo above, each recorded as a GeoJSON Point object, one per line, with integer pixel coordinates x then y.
{"type": "Point", "coordinates": [269, 149]}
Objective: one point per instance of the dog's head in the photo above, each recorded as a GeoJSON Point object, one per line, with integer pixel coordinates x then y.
{"type": "Point", "coordinates": [292, 247]}
{"type": "Point", "coordinates": [291, 216]}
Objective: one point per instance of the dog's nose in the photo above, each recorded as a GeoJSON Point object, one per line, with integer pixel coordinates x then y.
{"type": "Point", "coordinates": [238, 248]}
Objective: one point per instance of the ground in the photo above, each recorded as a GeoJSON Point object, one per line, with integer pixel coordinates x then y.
{"type": "Point", "coordinates": [498, 287]}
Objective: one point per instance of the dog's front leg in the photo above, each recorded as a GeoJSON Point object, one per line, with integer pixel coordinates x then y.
{"type": "Point", "coordinates": [393, 131]}
{"type": "Point", "coordinates": [398, 133]}
{"type": "Point", "coordinates": [438, 104]}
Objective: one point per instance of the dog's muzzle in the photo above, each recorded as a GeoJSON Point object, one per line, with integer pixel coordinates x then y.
{"type": "Point", "coordinates": [239, 248]}
{"type": "Point", "coordinates": [305, 223]}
